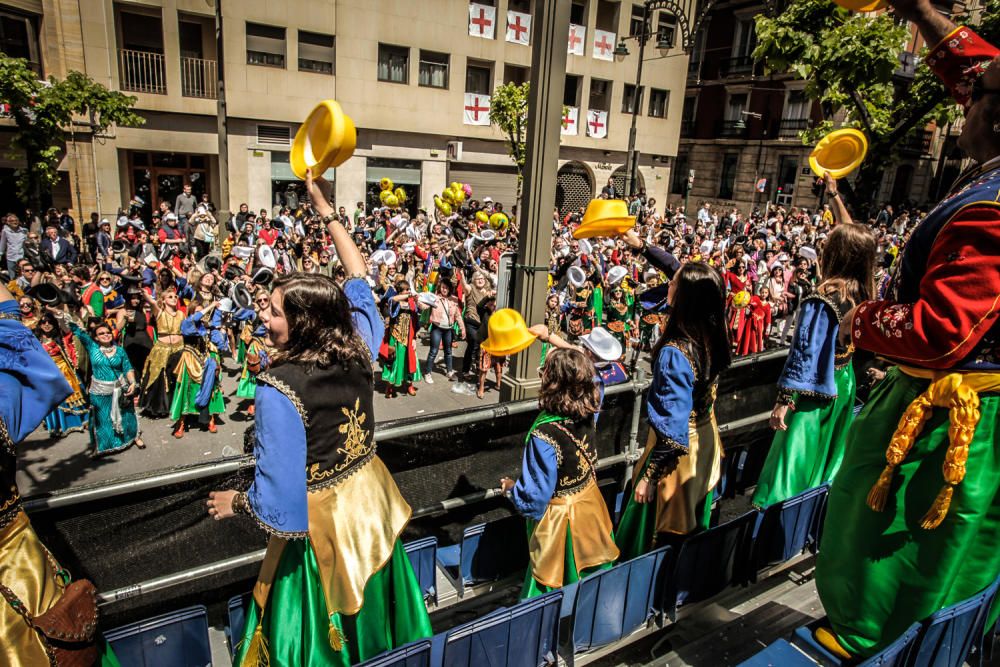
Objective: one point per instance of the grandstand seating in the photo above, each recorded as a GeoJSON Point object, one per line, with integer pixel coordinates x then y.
{"type": "Point", "coordinates": [415, 654]}
{"type": "Point", "coordinates": [423, 558]}
{"type": "Point", "coordinates": [177, 639]}
{"type": "Point", "coordinates": [786, 529]}
{"type": "Point", "coordinates": [487, 552]}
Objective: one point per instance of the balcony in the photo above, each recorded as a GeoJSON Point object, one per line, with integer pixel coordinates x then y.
{"type": "Point", "coordinates": [917, 143]}
{"type": "Point", "coordinates": [739, 66]}
{"type": "Point", "coordinates": [733, 129]}
{"type": "Point", "coordinates": [142, 72]}
{"type": "Point", "coordinates": [791, 127]}
{"type": "Point", "coordinates": [198, 78]}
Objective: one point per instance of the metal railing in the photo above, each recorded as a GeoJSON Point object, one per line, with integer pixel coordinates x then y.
{"type": "Point", "coordinates": [687, 127]}
{"type": "Point", "coordinates": [733, 129]}
{"type": "Point", "coordinates": [736, 66]}
{"type": "Point", "coordinates": [790, 127]}
{"type": "Point", "coordinates": [918, 143]}
{"type": "Point", "coordinates": [142, 71]}
{"type": "Point", "coordinates": [198, 78]}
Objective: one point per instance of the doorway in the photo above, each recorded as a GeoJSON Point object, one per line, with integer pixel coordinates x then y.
{"type": "Point", "coordinates": [157, 177]}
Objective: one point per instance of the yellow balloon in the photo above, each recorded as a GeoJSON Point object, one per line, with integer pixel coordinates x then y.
{"type": "Point", "coordinates": [499, 221]}
{"type": "Point", "coordinates": [382, 195]}
{"type": "Point", "coordinates": [391, 201]}
{"type": "Point", "coordinates": [455, 185]}
{"type": "Point", "coordinates": [385, 184]}
{"type": "Point", "coordinates": [400, 194]}
{"type": "Point", "coordinates": [483, 217]}
{"type": "Point", "coordinates": [442, 205]}
{"type": "Point", "coordinates": [458, 195]}
{"type": "Point", "coordinates": [448, 196]}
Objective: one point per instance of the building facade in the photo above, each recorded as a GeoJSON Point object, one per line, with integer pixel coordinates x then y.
{"type": "Point", "coordinates": [416, 78]}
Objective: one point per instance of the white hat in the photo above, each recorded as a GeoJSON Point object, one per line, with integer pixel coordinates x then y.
{"type": "Point", "coordinates": [242, 251]}
{"type": "Point", "coordinates": [389, 259]}
{"type": "Point", "coordinates": [226, 305]}
{"type": "Point", "coordinates": [576, 276]}
{"type": "Point", "coordinates": [486, 235]}
{"type": "Point", "coordinates": [409, 246]}
{"type": "Point", "coordinates": [266, 256]}
{"type": "Point", "coordinates": [105, 221]}
{"type": "Point", "coordinates": [170, 216]}
{"type": "Point", "coordinates": [151, 260]}
{"type": "Point", "coordinates": [585, 247]}
{"type": "Point", "coordinates": [706, 247]}
{"type": "Point", "coordinates": [808, 252]}
{"type": "Point", "coordinates": [399, 221]}
{"type": "Point", "coordinates": [122, 221]}
{"type": "Point", "coordinates": [616, 274]}
{"type": "Point", "coordinates": [487, 200]}
{"type": "Point", "coordinates": [602, 344]}
{"type": "Point", "coordinates": [427, 298]}
{"type": "Point", "coordinates": [376, 257]}
{"type": "Point", "coordinates": [650, 273]}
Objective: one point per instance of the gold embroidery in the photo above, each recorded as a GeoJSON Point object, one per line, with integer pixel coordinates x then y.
{"type": "Point", "coordinates": [317, 475]}
{"type": "Point", "coordinates": [355, 445]}
{"type": "Point", "coordinates": [289, 393]}
{"type": "Point", "coordinates": [13, 500]}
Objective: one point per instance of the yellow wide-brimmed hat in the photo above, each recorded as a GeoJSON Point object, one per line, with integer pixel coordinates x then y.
{"type": "Point", "coordinates": [508, 333]}
{"type": "Point", "coordinates": [327, 139]}
{"type": "Point", "coordinates": [861, 5]}
{"type": "Point", "coordinates": [839, 153]}
{"type": "Point", "coordinates": [605, 217]}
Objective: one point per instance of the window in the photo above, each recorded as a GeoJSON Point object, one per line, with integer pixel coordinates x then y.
{"type": "Point", "coordinates": [687, 115]}
{"type": "Point", "coordinates": [571, 93]}
{"type": "Point", "coordinates": [433, 69]}
{"type": "Point", "coordinates": [607, 16]}
{"type": "Point", "coordinates": [265, 45]}
{"type": "Point", "coordinates": [797, 106]}
{"type": "Point", "coordinates": [666, 28]}
{"type": "Point", "coordinates": [393, 63]}
{"type": "Point", "coordinates": [600, 95]}
{"type": "Point", "coordinates": [479, 78]}
{"type": "Point", "coordinates": [522, 6]}
{"type": "Point", "coordinates": [628, 97]}
{"type": "Point", "coordinates": [578, 12]}
{"type": "Point", "coordinates": [734, 108]}
{"type": "Point", "coordinates": [635, 23]}
{"type": "Point", "coordinates": [316, 52]}
{"type": "Point", "coordinates": [19, 39]}
{"type": "Point", "coordinates": [728, 180]}
{"type": "Point", "coordinates": [679, 177]}
{"type": "Point", "coordinates": [658, 100]}
{"type": "Point", "coordinates": [745, 39]}
{"type": "Point", "coordinates": [515, 74]}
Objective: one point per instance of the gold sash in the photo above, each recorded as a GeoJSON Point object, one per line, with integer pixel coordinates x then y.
{"type": "Point", "coordinates": [195, 366]}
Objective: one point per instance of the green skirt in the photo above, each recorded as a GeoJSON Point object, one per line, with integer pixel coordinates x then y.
{"type": "Point", "coordinates": [395, 372]}
{"type": "Point", "coordinates": [296, 625]}
{"type": "Point", "coordinates": [810, 452]}
{"type": "Point", "coordinates": [532, 588]}
{"type": "Point", "coordinates": [247, 388]}
{"type": "Point", "coordinates": [878, 572]}
{"type": "Point", "coordinates": [241, 350]}
{"type": "Point", "coordinates": [185, 393]}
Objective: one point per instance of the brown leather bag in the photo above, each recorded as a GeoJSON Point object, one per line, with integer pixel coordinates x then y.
{"type": "Point", "coordinates": [68, 629]}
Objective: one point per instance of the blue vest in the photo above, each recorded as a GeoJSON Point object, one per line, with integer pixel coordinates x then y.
{"type": "Point", "coordinates": [984, 190]}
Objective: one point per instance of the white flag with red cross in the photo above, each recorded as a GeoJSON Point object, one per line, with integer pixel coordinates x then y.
{"type": "Point", "coordinates": [597, 124]}
{"type": "Point", "coordinates": [570, 120]}
{"type": "Point", "coordinates": [577, 38]}
{"type": "Point", "coordinates": [482, 20]}
{"type": "Point", "coordinates": [518, 28]}
{"type": "Point", "coordinates": [477, 109]}
{"type": "Point", "coordinates": [604, 45]}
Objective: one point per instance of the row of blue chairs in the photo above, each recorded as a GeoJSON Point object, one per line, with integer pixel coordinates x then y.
{"type": "Point", "coordinates": [601, 609]}
{"type": "Point", "coordinates": [947, 638]}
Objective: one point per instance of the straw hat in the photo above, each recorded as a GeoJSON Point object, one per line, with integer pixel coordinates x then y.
{"type": "Point", "coordinates": [602, 344]}
{"type": "Point", "coordinates": [508, 333]}
{"type": "Point", "coordinates": [605, 217]}
{"type": "Point", "coordinates": [576, 276]}
{"type": "Point", "coordinates": [325, 140]}
{"type": "Point", "coordinates": [839, 153]}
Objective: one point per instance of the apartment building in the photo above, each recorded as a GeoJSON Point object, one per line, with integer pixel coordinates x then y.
{"type": "Point", "coordinates": [416, 77]}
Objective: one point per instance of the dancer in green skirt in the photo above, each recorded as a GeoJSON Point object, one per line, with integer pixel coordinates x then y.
{"type": "Point", "coordinates": [398, 352]}
{"type": "Point", "coordinates": [335, 587]}
{"type": "Point", "coordinates": [569, 528]}
{"type": "Point", "coordinates": [817, 384]}
{"type": "Point", "coordinates": [198, 390]}
{"type": "Point", "coordinates": [682, 461]}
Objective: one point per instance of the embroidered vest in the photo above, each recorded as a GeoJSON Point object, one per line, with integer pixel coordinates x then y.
{"type": "Point", "coordinates": [705, 389]}
{"type": "Point", "coordinates": [10, 499]}
{"type": "Point", "coordinates": [983, 190]}
{"type": "Point", "coordinates": [842, 355]}
{"type": "Point", "coordinates": [576, 452]}
{"type": "Point", "coordinates": [337, 410]}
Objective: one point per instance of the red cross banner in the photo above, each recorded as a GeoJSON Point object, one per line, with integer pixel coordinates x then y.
{"type": "Point", "coordinates": [570, 120]}
{"type": "Point", "coordinates": [604, 45]}
{"type": "Point", "coordinates": [597, 124]}
{"type": "Point", "coordinates": [576, 40]}
{"type": "Point", "coordinates": [477, 109]}
{"type": "Point", "coordinates": [482, 20]}
{"type": "Point", "coordinates": [518, 28]}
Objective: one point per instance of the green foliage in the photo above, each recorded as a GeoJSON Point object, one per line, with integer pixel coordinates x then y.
{"type": "Point", "coordinates": [509, 112]}
{"type": "Point", "coordinates": [42, 110]}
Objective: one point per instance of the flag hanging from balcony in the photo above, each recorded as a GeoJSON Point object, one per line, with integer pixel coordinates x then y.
{"type": "Point", "coordinates": [570, 119]}
{"type": "Point", "coordinates": [477, 109]}
{"type": "Point", "coordinates": [482, 20]}
{"type": "Point", "coordinates": [577, 38]}
{"type": "Point", "coordinates": [604, 45]}
{"type": "Point", "coordinates": [597, 124]}
{"type": "Point", "coordinates": [518, 28]}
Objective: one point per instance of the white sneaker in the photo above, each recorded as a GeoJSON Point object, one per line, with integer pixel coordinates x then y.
{"type": "Point", "coordinates": [450, 375]}
{"type": "Point", "coordinates": [428, 379]}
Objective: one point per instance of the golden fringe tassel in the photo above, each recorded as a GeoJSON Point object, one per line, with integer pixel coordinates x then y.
{"type": "Point", "coordinates": [935, 515]}
{"type": "Point", "coordinates": [257, 655]}
{"type": "Point", "coordinates": [337, 638]}
{"type": "Point", "coordinates": [906, 433]}
{"type": "Point", "coordinates": [880, 492]}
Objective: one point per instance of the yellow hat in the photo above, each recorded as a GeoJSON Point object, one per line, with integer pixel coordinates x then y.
{"type": "Point", "coordinates": [327, 139]}
{"type": "Point", "coordinates": [605, 217]}
{"type": "Point", "coordinates": [508, 333]}
{"type": "Point", "coordinates": [839, 153]}
{"type": "Point", "coordinates": [861, 5]}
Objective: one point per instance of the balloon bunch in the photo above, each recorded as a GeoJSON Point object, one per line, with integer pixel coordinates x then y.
{"type": "Point", "coordinates": [499, 221]}
{"type": "Point", "coordinates": [452, 197]}
{"type": "Point", "coordinates": [390, 197]}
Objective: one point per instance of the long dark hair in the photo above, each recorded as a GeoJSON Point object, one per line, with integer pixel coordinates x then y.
{"type": "Point", "coordinates": [698, 316]}
{"type": "Point", "coordinates": [320, 329]}
{"type": "Point", "coordinates": [847, 265]}
{"type": "Point", "coordinates": [568, 388]}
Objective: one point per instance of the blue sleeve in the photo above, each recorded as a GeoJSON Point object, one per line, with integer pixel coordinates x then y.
{"type": "Point", "coordinates": [244, 315]}
{"type": "Point", "coordinates": [662, 260]}
{"type": "Point", "coordinates": [670, 399]}
{"type": "Point", "coordinates": [278, 493]}
{"type": "Point", "coordinates": [810, 364]}
{"type": "Point", "coordinates": [191, 326]}
{"type": "Point", "coordinates": [367, 320]}
{"type": "Point", "coordinates": [85, 339]}
{"type": "Point", "coordinates": [539, 472]}
{"type": "Point", "coordinates": [31, 384]}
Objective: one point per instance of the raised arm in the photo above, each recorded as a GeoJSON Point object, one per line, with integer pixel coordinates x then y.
{"type": "Point", "coordinates": [351, 258]}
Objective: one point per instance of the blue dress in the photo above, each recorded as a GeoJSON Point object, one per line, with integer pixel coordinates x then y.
{"type": "Point", "coordinates": [113, 428]}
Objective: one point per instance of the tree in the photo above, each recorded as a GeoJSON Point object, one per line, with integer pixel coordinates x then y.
{"type": "Point", "coordinates": [848, 61]}
{"type": "Point", "coordinates": [42, 110]}
{"type": "Point", "coordinates": [509, 112]}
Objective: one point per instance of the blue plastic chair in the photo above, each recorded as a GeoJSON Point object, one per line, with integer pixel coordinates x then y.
{"type": "Point", "coordinates": [177, 639]}
{"type": "Point", "coordinates": [950, 634]}
{"type": "Point", "coordinates": [708, 562]}
{"type": "Point", "coordinates": [526, 635]}
{"type": "Point", "coordinates": [779, 654]}
{"type": "Point", "coordinates": [488, 552]}
{"type": "Point", "coordinates": [236, 615]}
{"type": "Point", "coordinates": [423, 558]}
{"type": "Point", "coordinates": [415, 654]}
{"type": "Point", "coordinates": [895, 654]}
{"type": "Point", "coordinates": [786, 529]}
{"type": "Point", "coordinates": [614, 603]}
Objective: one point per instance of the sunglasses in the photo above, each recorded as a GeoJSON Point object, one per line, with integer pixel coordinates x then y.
{"type": "Point", "coordinates": [979, 90]}
{"type": "Point", "coordinates": [262, 302]}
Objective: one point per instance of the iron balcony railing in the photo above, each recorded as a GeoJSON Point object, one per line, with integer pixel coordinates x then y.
{"type": "Point", "coordinates": [790, 127]}
{"type": "Point", "coordinates": [198, 78]}
{"type": "Point", "coordinates": [733, 129]}
{"type": "Point", "coordinates": [142, 71]}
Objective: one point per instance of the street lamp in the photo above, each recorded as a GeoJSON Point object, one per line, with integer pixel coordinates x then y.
{"type": "Point", "coordinates": [621, 51]}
